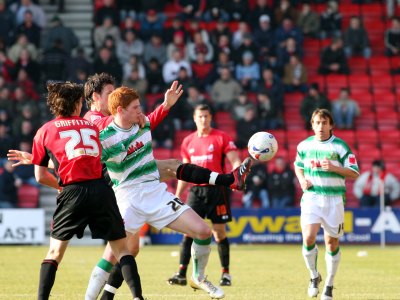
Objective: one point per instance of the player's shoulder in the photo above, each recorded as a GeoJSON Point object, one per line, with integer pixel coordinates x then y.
{"type": "Point", "coordinates": [306, 142]}
{"type": "Point", "coordinates": [339, 142]}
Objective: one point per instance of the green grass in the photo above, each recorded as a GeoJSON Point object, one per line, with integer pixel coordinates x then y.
{"type": "Point", "coordinates": [259, 272]}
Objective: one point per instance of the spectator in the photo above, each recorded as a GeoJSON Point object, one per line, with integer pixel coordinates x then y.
{"type": "Point", "coordinates": [54, 63]}
{"type": "Point", "coordinates": [345, 110]}
{"type": "Point", "coordinates": [215, 10]}
{"type": "Point", "coordinates": [248, 72]}
{"type": "Point", "coordinates": [157, 5]}
{"type": "Point", "coordinates": [60, 5]}
{"type": "Point", "coordinates": [391, 7]}
{"type": "Point", "coordinates": [269, 115]}
{"type": "Point", "coordinates": [78, 62]}
{"type": "Point", "coordinates": [30, 29]}
{"type": "Point", "coordinates": [155, 48]}
{"type": "Point", "coordinates": [264, 36]}
{"type": "Point", "coordinates": [239, 106]}
{"type": "Point", "coordinates": [6, 102]}
{"type": "Point", "coordinates": [164, 134]}
{"type": "Point", "coordinates": [152, 23]}
{"type": "Point", "coordinates": [128, 8]}
{"type": "Point", "coordinates": [201, 71]}
{"type": "Point", "coordinates": [223, 45]}
{"type": "Point", "coordinates": [223, 61]}
{"type": "Point", "coordinates": [392, 38]}
{"type": "Point", "coordinates": [185, 79]}
{"type": "Point", "coordinates": [29, 113]}
{"type": "Point", "coordinates": [260, 8]}
{"type": "Point", "coordinates": [107, 10]}
{"type": "Point", "coordinates": [247, 126]}
{"type": "Point", "coordinates": [200, 46]}
{"type": "Point", "coordinates": [178, 43]}
{"type": "Point", "coordinates": [190, 9]}
{"type": "Point", "coordinates": [333, 59]}
{"type": "Point", "coordinates": [56, 31]}
{"type": "Point", "coordinates": [309, 21]}
{"type": "Point", "coordinates": [103, 31]}
{"type": "Point", "coordinates": [238, 10]}
{"type": "Point", "coordinates": [313, 100]}
{"type": "Point", "coordinates": [154, 77]}
{"type": "Point", "coordinates": [134, 63]}
{"type": "Point", "coordinates": [169, 32]}
{"type": "Point", "coordinates": [288, 30]}
{"type": "Point", "coordinates": [8, 186]}
{"type": "Point", "coordinates": [331, 21]}
{"type": "Point", "coordinates": [224, 90]}
{"type": "Point", "coordinates": [39, 16]}
{"type": "Point", "coordinates": [6, 68]}
{"type": "Point", "coordinates": [368, 186]}
{"type": "Point", "coordinates": [356, 39]}
{"type": "Point", "coordinates": [7, 141]}
{"type": "Point", "coordinates": [171, 67]}
{"type": "Point", "coordinates": [281, 186]}
{"type": "Point", "coordinates": [31, 67]}
{"type": "Point", "coordinates": [104, 62]}
{"type": "Point", "coordinates": [7, 23]}
{"type": "Point", "coordinates": [239, 35]}
{"type": "Point", "coordinates": [295, 76]}
{"type": "Point", "coordinates": [272, 84]}
{"type": "Point", "coordinates": [291, 48]}
{"type": "Point", "coordinates": [134, 81]}
{"type": "Point", "coordinates": [221, 28]}
{"type": "Point", "coordinates": [257, 185]}
{"type": "Point", "coordinates": [248, 45]}
{"type": "Point", "coordinates": [284, 10]}
{"type": "Point", "coordinates": [27, 84]}
{"type": "Point", "coordinates": [22, 43]}
{"type": "Point", "coordinates": [130, 45]}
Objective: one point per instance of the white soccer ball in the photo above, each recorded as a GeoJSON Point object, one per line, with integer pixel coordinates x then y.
{"type": "Point", "coordinates": [262, 146]}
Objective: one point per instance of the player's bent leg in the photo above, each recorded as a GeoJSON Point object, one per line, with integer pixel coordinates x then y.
{"type": "Point", "coordinates": [49, 267]}
{"type": "Point", "coordinates": [128, 266]}
{"type": "Point", "coordinates": [219, 233]}
{"type": "Point", "coordinates": [191, 224]}
{"type": "Point", "coordinates": [116, 278]}
{"type": "Point", "coordinates": [100, 274]}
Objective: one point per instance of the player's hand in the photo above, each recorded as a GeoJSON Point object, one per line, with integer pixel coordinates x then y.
{"type": "Point", "coordinates": [22, 157]}
{"type": "Point", "coordinates": [327, 165]}
{"type": "Point", "coordinates": [172, 95]}
{"type": "Point", "coordinates": [305, 184]}
{"type": "Point", "coordinates": [142, 120]}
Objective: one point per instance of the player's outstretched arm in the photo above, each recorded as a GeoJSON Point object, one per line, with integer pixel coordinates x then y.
{"type": "Point", "coordinates": [21, 157]}
{"type": "Point", "coordinates": [172, 95]}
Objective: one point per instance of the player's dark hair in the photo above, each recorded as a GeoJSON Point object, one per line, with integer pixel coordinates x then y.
{"type": "Point", "coordinates": [62, 98]}
{"type": "Point", "coordinates": [202, 107]}
{"type": "Point", "coordinates": [122, 96]}
{"type": "Point", "coordinates": [323, 113]}
{"type": "Point", "coordinates": [95, 84]}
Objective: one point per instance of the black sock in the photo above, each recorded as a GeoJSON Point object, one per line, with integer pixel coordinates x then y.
{"type": "Point", "coordinates": [185, 255]}
{"type": "Point", "coordinates": [131, 275]}
{"type": "Point", "coordinates": [115, 280]}
{"type": "Point", "coordinates": [48, 271]}
{"type": "Point", "coordinates": [223, 251]}
{"type": "Point", "coordinates": [196, 174]}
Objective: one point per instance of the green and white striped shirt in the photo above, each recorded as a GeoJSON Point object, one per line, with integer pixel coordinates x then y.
{"type": "Point", "coordinates": [128, 155]}
{"type": "Point", "coordinates": [311, 152]}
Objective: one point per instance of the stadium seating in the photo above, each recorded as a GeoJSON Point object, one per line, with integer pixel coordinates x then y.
{"type": "Point", "coordinates": [28, 196]}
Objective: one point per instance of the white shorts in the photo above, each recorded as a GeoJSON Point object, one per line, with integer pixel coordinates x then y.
{"type": "Point", "coordinates": [149, 203]}
{"type": "Point", "coordinates": [325, 210]}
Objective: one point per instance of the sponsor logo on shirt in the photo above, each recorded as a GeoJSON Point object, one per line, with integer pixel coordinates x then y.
{"type": "Point", "coordinates": [201, 158]}
{"type": "Point", "coordinates": [352, 159]}
{"type": "Point", "coordinates": [191, 150]}
{"type": "Point", "coordinates": [133, 148]}
{"type": "Point", "coordinates": [210, 148]}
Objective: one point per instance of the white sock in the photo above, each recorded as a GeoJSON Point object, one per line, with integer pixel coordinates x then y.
{"type": "Point", "coordinates": [310, 258]}
{"type": "Point", "coordinates": [98, 279]}
{"type": "Point", "coordinates": [200, 253]}
{"type": "Point", "coordinates": [213, 177]}
{"type": "Point", "coordinates": [332, 263]}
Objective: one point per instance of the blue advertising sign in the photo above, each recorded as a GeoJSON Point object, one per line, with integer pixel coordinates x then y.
{"type": "Point", "coordinates": [363, 225]}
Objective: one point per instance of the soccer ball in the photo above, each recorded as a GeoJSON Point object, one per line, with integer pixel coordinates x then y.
{"type": "Point", "coordinates": [262, 146]}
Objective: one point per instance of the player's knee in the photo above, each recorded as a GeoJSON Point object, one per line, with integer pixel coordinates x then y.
{"type": "Point", "coordinates": [204, 233]}
{"type": "Point", "coordinates": [55, 254]}
{"type": "Point", "coordinates": [134, 251]}
{"type": "Point", "coordinates": [309, 240]}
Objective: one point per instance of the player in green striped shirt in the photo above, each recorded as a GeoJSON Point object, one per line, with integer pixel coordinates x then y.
{"type": "Point", "coordinates": [323, 162]}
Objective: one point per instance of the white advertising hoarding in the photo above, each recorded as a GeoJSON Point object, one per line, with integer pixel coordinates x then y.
{"type": "Point", "coordinates": [22, 226]}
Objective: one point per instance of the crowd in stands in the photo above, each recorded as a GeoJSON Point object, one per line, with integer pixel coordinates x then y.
{"type": "Point", "coordinates": [244, 57]}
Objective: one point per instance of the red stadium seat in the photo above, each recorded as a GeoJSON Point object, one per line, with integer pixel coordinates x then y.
{"type": "Point", "coordinates": [367, 137]}
{"type": "Point", "coordinates": [367, 121]}
{"type": "Point", "coordinates": [360, 82]}
{"type": "Point", "coordinates": [28, 196]}
{"type": "Point", "coordinates": [347, 135]}
{"type": "Point", "coordinates": [162, 153]}
{"type": "Point", "coordinates": [358, 65]}
{"type": "Point", "coordinates": [382, 82]}
{"type": "Point", "coordinates": [389, 137]}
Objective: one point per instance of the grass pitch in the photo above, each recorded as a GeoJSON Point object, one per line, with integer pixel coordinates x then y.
{"type": "Point", "coordinates": [259, 272]}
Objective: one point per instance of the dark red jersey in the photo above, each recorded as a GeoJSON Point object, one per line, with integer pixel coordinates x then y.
{"type": "Point", "coordinates": [74, 147]}
{"type": "Point", "coordinates": [209, 151]}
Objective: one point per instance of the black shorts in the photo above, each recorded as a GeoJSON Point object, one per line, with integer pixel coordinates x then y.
{"type": "Point", "coordinates": [90, 203]}
{"type": "Point", "coordinates": [211, 202]}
